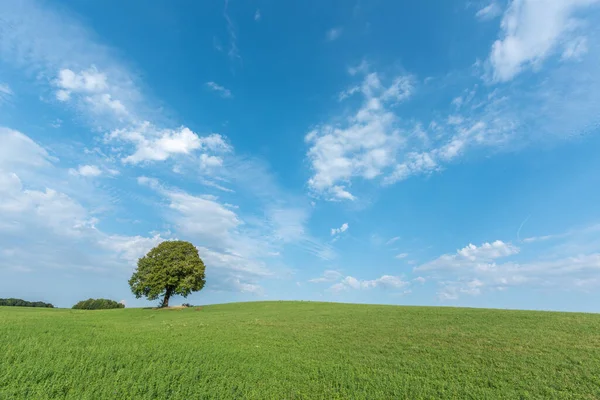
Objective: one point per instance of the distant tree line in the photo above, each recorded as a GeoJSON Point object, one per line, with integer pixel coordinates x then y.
{"type": "Point", "coordinates": [23, 303]}
{"type": "Point", "coordinates": [97, 304]}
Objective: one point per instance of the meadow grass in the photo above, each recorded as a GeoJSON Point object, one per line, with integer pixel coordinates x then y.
{"type": "Point", "coordinates": [298, 350]}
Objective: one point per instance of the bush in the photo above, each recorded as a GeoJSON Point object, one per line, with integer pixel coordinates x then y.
{"type": "Point", "coordinates": [97, 304]}
{"type": "Point", "coordinates": [23, 303]}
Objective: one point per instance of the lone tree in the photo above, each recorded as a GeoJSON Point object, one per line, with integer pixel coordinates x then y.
{"type": "Point", "coordinates": [171, 268]}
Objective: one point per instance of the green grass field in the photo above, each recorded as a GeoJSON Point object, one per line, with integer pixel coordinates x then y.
{"type": "Point", "coordinates": [298, 350]}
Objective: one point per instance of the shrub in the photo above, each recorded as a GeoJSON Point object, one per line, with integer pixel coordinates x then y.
{"type": "Point", "coordinates": [23, 303]}
{"type": "Point", "coordinates": [97, 304]}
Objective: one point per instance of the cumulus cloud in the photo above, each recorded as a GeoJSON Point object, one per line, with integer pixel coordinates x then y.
{"type": "Point", "coordinates": [89, 81]}
{"type": "Point", "coordinates": [341, 229]}
{"type": "Point", "coordinates": [471, 255]}
{"type": "Point", "coordinates": [531, 31]}
{"type": "Point", "coordinates": [386, 282]}
{"type": "Point", "coordinates": [475, 269]}
{"type": "Point", "coordinates": [207, 161]}
{"type": "Point", "coordinates": [86, 170]}
{"type": "Point", "coordinates": [153, 144]}
{"type": "Point", "coordinates": [363, 145]}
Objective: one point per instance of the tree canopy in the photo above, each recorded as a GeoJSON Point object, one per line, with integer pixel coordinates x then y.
{"type": "Point", "coordinates": [97, 304]}
{"type": "Point", "coordinates": [171, 268]}
{"type": "Point", "coordinates": [24, 303]}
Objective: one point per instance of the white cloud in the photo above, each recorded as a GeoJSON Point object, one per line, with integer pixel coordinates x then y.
{"type": "Point", "coordinates": [488, 251]}
{"type": "Point", "coordinates": [257, 15]}
{"type": "Point", "coordinates": [467, 134]}
{"type": "Point", "coordinates": [341, 229]}
{"type": "Point", "coordinates": [95, 84]}
{"type": "Point", "coordinates": [490, 11]}
{"type": "Point", "coordinates": [222, 91]}
{"type": "Point", "coordinates": [131, 248]}
{"type": "Point", "coordinates": [575, 49]}
{"type": "Point", "coordinates": [88, 76]}
{"type": "Point", "coordinates": [5, 92]}
{"type": "Point", "coordinates": [471, 255]}
{"type": "Point", "coordinates": [234, 52]}
{"type": "Point", "coordinates": [452, 291]}
{"type": "Point", "coordinates": [86, 170]}
{"type": "Point", "coordinates": [348, 92]}
{"type": "Point", "coordinates": [392, 240]}
{"type": "Point", "coordinates": [592, 229]}
{"type": "Point", "coordinates": [207, 161]}
{"type": "Point", "coordinates": [105, 103]}
{"type": "Point", "coordinates": [46, 228]}
{"type": "Point", "coordinates": [86, 81]}
{"type": "Point", "coordinates": [237, 249]}
{"type": "Point", "coordinates": [328, 276]}
{"type": "Point", "coordinates": [334, 33]}
{"type": "Point", "coordinates": [5, 89]}
{"type": "Point", "coordinates": [531, 31]}
{"type": "Point", "coordinates": [386, 282]}
{"type": "Point", "coordinates": [63, 95]}
{"type": "Point", "coordinates": [401, 89]}
{"type": "Point", "coordinates": [401, 256]}
{"type": "Point", "coordinates": [475, 269]}
{"type": "Point", "coordinates": [362, 146]}
{"type": "Point", "coordinates": [288, 223]}
{"type": "Point", "coordinates": [18, 151]}
{"type": "Point", "coordinates": [154, 144]}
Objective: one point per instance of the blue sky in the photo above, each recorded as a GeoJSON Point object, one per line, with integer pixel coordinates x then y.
{"type": "Point", "coordinates": [431, 153]}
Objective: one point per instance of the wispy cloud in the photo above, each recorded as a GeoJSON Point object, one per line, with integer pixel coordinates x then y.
{"type": "Point", "coordinates": [5, 92]}
{"type": "Point", "coordinates": [531, 31]}
{"type": "Point", "coordinates": [575, 49]}
{"type": "Point", "coordinates": [334, 34]}
{"type": "Point", "coordinates": [233, 52]}
{"type": "Point", "coordinates": [237, 249]}
{"type": "Point", "coordinates": [257, 15]}
{"type": "Point", "coordinates": [222, 91]}
{"type": "Point", "coordinates": [392, 240]}
{"type": "Point", "coordinates": [489, 12]}
{"type": "Point", "coordinates": [328, 276]}
{"type": "Point", "coordinates": [58, 219]}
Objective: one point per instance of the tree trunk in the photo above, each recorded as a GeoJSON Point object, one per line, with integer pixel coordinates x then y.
{"type": "Point", "coordinates": [165, 302]}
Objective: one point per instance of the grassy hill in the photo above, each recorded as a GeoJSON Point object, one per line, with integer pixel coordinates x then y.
{"type": "Point", "coordinates": [298, 350]}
